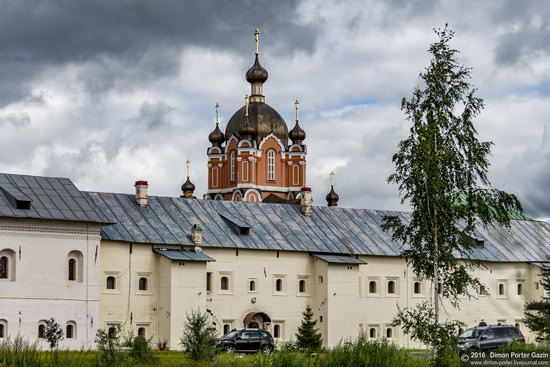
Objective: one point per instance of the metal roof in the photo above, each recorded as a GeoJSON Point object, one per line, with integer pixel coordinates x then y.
{"type": "Point", "coordinates": [35, 197]}
{"type": "Point", "coordinates": [182, 255]}
{"type": "Point", "coordinates": [332, 230]}
{"type": "Point", "coordinates": [339, 259]}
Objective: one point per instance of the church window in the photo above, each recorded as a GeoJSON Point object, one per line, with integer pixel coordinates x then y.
{"type": "Point", "coordinates": [302, 286]}
{"type": "Point", "coordinates": [70, 330]}
{"type": "Point", "coordinates": [389, 333]}
{"type": "Point", "coordinates": [143, 284]}
{"type": "Point", "coordinates": [271, 165]}
{"type": "Point", "coordinates": [372, 332]}
{"type": "Point", "coordinates": [72, 269]}
{"type": "Point", "coordinates": [224, 283]}
{"type": "Point", "coordinates": [41, 330]}
{"type": "Point", "coordinates": [111, 282]}
{"type": "Point", "coordinates": [112, 331]}
{"type": "Point", "coordinates": [252, 286]}
{"type": "Point", "coordinates": [141, 332]}
{"type": "Point", "coordinates": [417, 288]}
{"type": "Point", "coordinates": [209, 281]}
{"type": "Point", "coordinates": [501, 289]}
{"type": "Point", "coordinates": [4, 267]}
{"type": "Point", "coordinates": [372, 287]}
{"type": "Point", "coordinates": [391, 287]}
{"type": "Point", "coordinates": [279, 285]}
{"type": "Point", "coordinates": [277, 331]}
{"type": "Point", "coordinates": [226, 329]}
{"type": "Point", "coordinates": [232, 165]}
{"type": "Point", "coordinates": [520, 289]}
{"type": "Point", "coordinates": [3, 329]}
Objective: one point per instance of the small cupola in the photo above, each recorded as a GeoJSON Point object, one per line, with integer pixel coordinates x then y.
{"type": "Point", "coordinates": [217, 136]}
{"type": "Point", "coordinates": [297, 134]}
{"type": "Point", "coordinates": [257, 75]}
{"type": "Point", "coordinates": [332, 196]}
{"type": "Point", "coordinates": [188, 187]}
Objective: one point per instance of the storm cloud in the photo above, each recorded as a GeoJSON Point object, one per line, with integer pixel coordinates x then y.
{"type": "Point", "coordinates": [107, 92]}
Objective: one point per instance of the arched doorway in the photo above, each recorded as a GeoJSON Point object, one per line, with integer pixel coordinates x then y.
{"type": "Point", "coordinates": [259, 320]}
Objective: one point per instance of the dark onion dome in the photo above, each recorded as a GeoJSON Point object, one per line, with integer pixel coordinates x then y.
{"type": "Point", "coordinates": [216, 137]}
{"type": "Point", "coordinates": [245, 128]}
{"type": "Point", "coordinates": [263, 120]}
{"type": "Point", "coordinates": [332, 197]}
{"type": "Point", "coordinates": [256, 73]}
{"type": "Point", "coordinates": [297, 134]}
{"type": "Point", "coordinates": [188, 186]}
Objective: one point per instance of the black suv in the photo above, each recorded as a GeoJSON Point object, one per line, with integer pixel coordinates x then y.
{"type": "Point", "coordinates": [488, 337]}
{"type": "Point", "coordinates": [247, 341]}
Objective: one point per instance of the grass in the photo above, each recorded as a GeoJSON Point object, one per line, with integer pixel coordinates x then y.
{"type": "Point", "coordinates": [360, 353]}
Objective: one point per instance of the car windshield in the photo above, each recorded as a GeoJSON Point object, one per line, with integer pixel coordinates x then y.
{"type": "Point", "coordinates": [471, 334]}
{"type": "Point", "coordinates": [231, 334]}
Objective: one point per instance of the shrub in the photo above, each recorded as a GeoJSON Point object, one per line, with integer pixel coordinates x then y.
{"type": "Point", "coordinates": [108, 346]}
{"type": "Point", "coordinates": [53, 333]}
{"type": "Point", "coordinates": [199, 339]}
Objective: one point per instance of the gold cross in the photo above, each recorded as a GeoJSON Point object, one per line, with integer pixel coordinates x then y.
{"type": "Point", "coordinates": [217, 112]}
{"type": "Point", "coordinates": [257, 37]}
{"type": "Point", "coordinates": [332, 174]}
{"type": "Point", "coordinates": [188, 164]}
{"type": "Point", "coordinates": [246, 109]}
{"type": "Point", "coordinates": [297, 104]}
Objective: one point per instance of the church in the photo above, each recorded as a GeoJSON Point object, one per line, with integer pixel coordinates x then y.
{"type": "Point", "coordinates": [253, 252]}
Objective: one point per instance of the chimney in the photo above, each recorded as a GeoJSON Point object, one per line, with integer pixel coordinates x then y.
{"type": "Point", "coordinates": [306, 201]}
{"type": "Point", "coordinates": [196, 237]}
{"type": "Point", "coordinates": [141, 193]}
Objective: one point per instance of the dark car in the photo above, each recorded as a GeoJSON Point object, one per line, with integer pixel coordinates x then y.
{"type": "Point", "coordinates": [247, 341]}
{"type": "Point", "coordinates": [488, 337]}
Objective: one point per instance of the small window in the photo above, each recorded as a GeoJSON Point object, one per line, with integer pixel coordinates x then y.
{"type": "Point", "coordinates": [501, 289]}
{"type": "Point", "coordinates": [252, 286]}
{"type": "Point", "coordinates": [111, 282]}
{"type": "Point", "coordinates": [277, 331]}
{"type": "Point", "coordinates": [112, 331]}
{"type": "Point", "coordinates": [372, 332]}
{"type": "Point", "coordinates": [279, 285]}
{"type": "Point", "coordinates": [70, 331]}
{"type": "Point", "coordinates": [143, 284]}
{"type": "Point", "coordinates": [389, 333]}
{"type": "Point", "coordinates": [209, 281]}
{"type": "Point", "coordinates": [417, 288]}
{"type": "Point", "coordinates": [391, 287]}
{"type": "Point", "coordinates": [372, 286]}
{"type": "Point", "coordinates": [320, 318]}
{"type": "Point", "coordinates": [271, 165]}
{"type": "Point", "coordinates": [232, 165]}
{"type": "Point", "coordinates": [321, 279]}
{"type": "Point", "coordinates": [141, 332]}
{"type": "Point", "coordinates": [520, 289]}
{"type": "Point", "coordinates": [3, 329]}
{"type": "Point", "coordinates": [41, 331]}
{"type": "Point", "coordinates": [72, 269]}
{"type": "Point", "coordinates": [226, 329]}
{"type": "Point", "coordinates": [302, 286]}
{"type": "Point", "coordinates": [4, 267]}
{"type": "Point", "coordinates": [224, 283]}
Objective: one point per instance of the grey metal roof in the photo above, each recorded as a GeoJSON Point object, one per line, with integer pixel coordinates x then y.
{"type": "Point", "coordinates": [50, 198]}
{"type": "Point", "coordinates": [339, 259]}
{"type": "Point", "coordinates": [333, 230]}
{"type": "Point", "coordinates": [182, 255]}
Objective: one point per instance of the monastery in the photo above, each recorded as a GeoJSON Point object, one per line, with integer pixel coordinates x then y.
{"type": "Point", "coordinates": [253, 252]}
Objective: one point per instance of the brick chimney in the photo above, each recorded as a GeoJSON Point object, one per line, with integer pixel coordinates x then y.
{"type": "Point", "coordinates": [306, 201]}
{"type": "Point", "coordinates": [196, 237]}
{"type": "Point", "coordinates": [141, 193]}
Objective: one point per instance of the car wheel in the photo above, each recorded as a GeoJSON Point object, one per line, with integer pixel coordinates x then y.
{"type": "Point", "coordinates": [229, 349]}
{"type": "Point", "coordinates": [266, 350]}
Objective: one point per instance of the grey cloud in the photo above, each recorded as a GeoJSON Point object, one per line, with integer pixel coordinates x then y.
{"type": "Point", "coordinates": [17, 120]}
{"type": "Point", "coordinates": [528, 42]}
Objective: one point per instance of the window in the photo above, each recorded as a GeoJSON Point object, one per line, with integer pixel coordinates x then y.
{"type": "Point", "coordinates": [3, 329]}
{"type": "Point", "coordinates": [232, 164]}
{"type": "Point", "coordinates": [279, 285]}
{"type": "Point", "coordinates": [417, 288]}
{"type": "Point", "coordinates": [391, 287]}
{"type": "Point", "coordinates": [271, 165]}
{"type": "Point", "coordinates": [502, 289]}
{"type": "Point", "coordinates": [111, 282]}
{"type": "Point", "coordinates": [389, 333]}
{"type": "Point", "coordinates": [72, 269]}
{"type": "Point", "coordinates": [252, 286]}
{"type": "Point", "coordinates": [112, 331]}
{"type": "Point", "coordinates": [302, 286]}
{"type": "Point", "coordinates": [74, 266]}
{"type": "Point", "coordinates": [209, 281]}
{"type": "Point", "coordinates": [520, 289]}
{"type": "Point", "coordinates": [41, 330]}
{"type": "Point", "coordinates": [224, 283]}
{"type": "Point", "coordinates": [372, 332]}
{"type": "Point", "coordinates": [277, 331]}
{"type": "Point", "coordinates": [143, 284]}
{"type": "Point", "coordinates": [4, 267]}
{"type": "Point", "coordinates": [70, 330]}
{"type": "Point", "coordinates": [214, 176]}
{"type": "Point", "coordinates": [141, 331]}
{"type": "Point", "coordinates": [372, 287]}
{"type": "Point", "coordinates": [226, 329]}
{"type": "Point", "coordinates": [321, 279]}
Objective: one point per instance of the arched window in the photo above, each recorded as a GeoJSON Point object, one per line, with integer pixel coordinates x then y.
{"type": "Point", "coordinates": [252, 286]}
{"type": "Point", "coordinates": [4, 267]}
{"type": "Point", "coordinates": [232, 165]}
{"type": "Point", "coordinates": [3, 329]}
{"type": "Point", "coordinates": [501, 289]}
{"type": "Point", "coordinates": [389, 333]}
{"type": "Point", "coordinates": [142, 284]}
{"type": "Point", "coordinates": [279, 285]}
{"type": "Point", "coordinates": [72, 269]}
{"type": "Point", "coordinates": [226, 329]}
{"type": "Point", "coordinates": [41, 330]}
{"type": "Point", "coordinates": [372, 286]}
{"type": "Point", "coordinates": [224, 284]}
{"type": "Point", "coordinates": [277, 331]}
{"type": "Point", "coordinates": [7, 264]}
{"type": "Point", "coordinates": [302, 286]}
{"type": "Point", "coordinates": [417, 288]}
{"type": "Point", "coordinates": [372, 332]}
{"type": "Point", "coordinates": [70, 330]}
{"type": "Point", "coordinates": [141, 331]}
{"type": "Point", "coordinates": [111, 282]}
{"type": "Point", "coordinates": [520, 289]}
{"type": "Point", "coordinates": [391, 287]}
{"type": "Point", "coordinates": [271, 165]}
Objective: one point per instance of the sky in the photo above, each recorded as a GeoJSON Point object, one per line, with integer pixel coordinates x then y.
{"type": "Point", "coordinates": [108, 92]}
